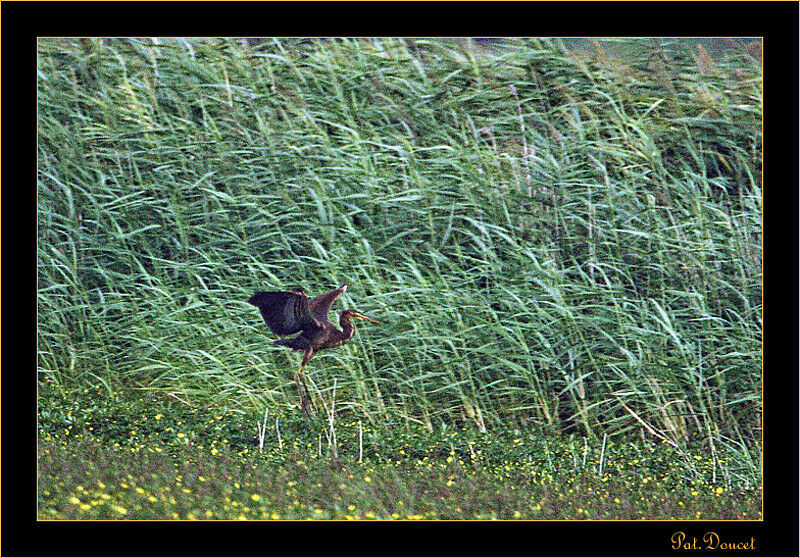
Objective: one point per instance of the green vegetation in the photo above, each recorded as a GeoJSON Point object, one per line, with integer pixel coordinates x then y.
{"type": "Point", "coordinates": [564, 248]}
{"type": "Point", "coordinates": [121, 459]}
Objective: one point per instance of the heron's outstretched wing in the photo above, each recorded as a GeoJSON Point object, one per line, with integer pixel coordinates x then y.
{"type": "Point", "coordinates": [285, 312]}
{"type": "Point", "coordinates": [320, 305]}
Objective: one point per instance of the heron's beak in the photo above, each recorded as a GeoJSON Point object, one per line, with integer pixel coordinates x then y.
{"type": "Point", "coordinates": [363, 317]}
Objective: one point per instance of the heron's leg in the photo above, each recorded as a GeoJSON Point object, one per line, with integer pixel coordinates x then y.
{"type": "Point", "coordinates": [302, 388]}
{"type": "Point", "coordinates": [308, 397]}
{"type": "Point", "coordinates": [303, 404]}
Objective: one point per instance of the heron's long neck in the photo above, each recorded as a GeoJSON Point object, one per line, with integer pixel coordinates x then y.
{"type": "Point", "coordinates": [348, 329]}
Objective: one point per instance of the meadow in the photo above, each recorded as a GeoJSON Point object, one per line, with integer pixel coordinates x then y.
{"type": "Point", "coordinates": [564, 247]}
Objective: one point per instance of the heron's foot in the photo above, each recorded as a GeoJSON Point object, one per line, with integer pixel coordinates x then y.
{"type": "Point", "coordinates": [309, 399]}
{"type": "Point", "coordinates": [305, 397]}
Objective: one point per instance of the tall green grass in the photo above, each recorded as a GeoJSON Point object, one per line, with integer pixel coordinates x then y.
{"type": "Point", "coordinates": [551, 238]}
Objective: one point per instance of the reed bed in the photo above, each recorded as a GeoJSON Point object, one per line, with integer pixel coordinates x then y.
{"type": "Point", "coordinates": [553, 239]}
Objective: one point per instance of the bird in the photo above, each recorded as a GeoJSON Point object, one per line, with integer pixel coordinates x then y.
{"type": "Point", "coordinates": [290, 312]}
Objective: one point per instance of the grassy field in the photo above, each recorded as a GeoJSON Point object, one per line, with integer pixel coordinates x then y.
{"type": "Point", "coordinates": [564, 248]}
{"type": "Point", "coordinates": [118, 459]}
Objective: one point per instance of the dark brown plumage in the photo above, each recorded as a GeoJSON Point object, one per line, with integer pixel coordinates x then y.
{"type": "Point", "coordinates": [290, 312]}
